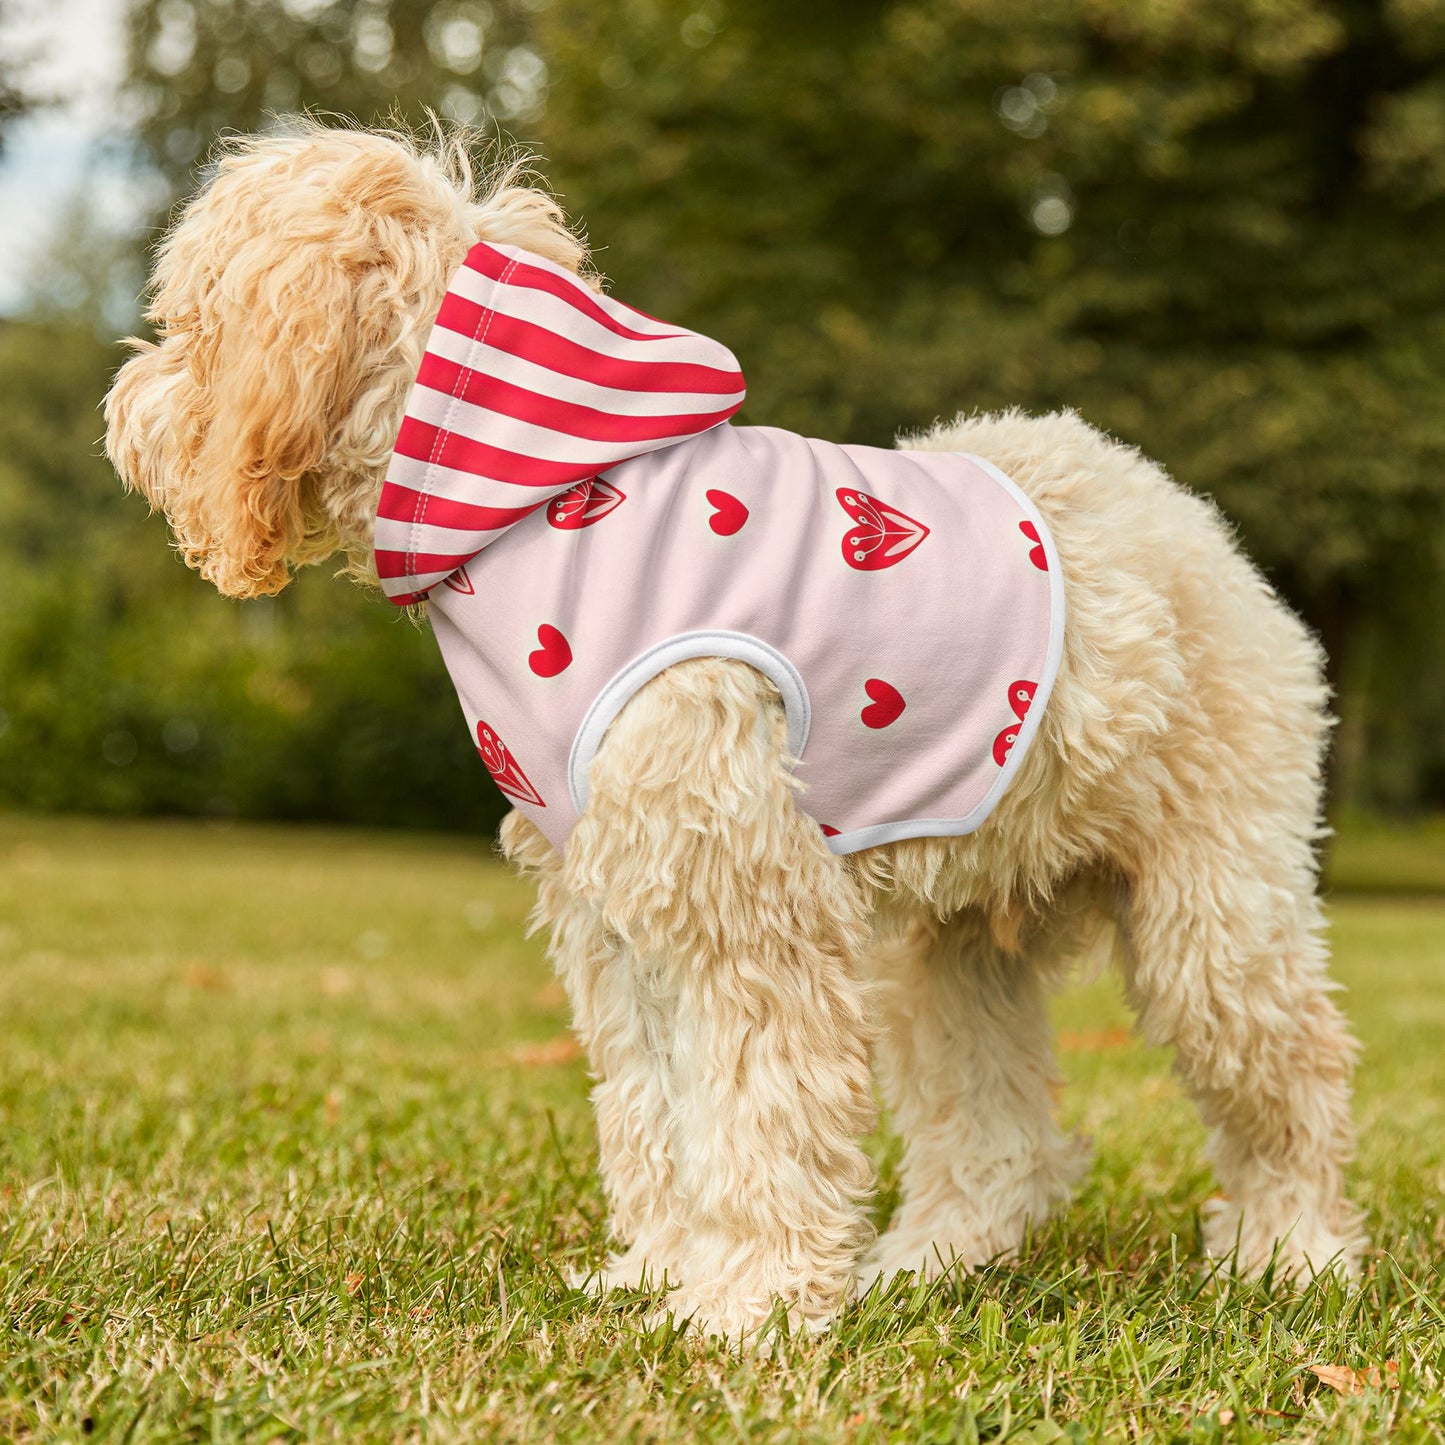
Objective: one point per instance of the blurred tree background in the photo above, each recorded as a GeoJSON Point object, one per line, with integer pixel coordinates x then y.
{"type": "Point", "coordinates": [1214, 227]}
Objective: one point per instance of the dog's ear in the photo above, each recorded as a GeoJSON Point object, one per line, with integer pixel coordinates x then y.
{"type": "Point", "coordinates": [221, 423]}
{"type": "Point", "coordinates": [143, 417]}
{"type": "Point", "coordinates": [284, 298]}
{"type": "Point", "coordinates": [291, 301]}
{"type": "Point", "coordinates": [275, 350]}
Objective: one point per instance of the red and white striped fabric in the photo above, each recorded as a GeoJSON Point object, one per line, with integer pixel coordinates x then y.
{"type": "Point", "coordinates": [531, 383]}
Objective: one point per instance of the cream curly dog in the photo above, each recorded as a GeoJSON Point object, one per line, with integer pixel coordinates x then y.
{"type": "Point", "coordinates": [730, 975]}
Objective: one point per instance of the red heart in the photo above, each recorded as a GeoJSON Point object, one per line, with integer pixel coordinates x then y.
{"type": "Point", "coordinates": [1037, 555]}
{"type": "Point", "coordinates": [887, 705]}
{"type": "Point", "coordinates": [881, 536]}
{"type": "Point", "coordinates": [1021, 696]}
{"type": "Point", "coordinates": [553, 656]}
{"type": "Point", "coordinates": [459, 581]}
{"type": "Point", "coordinates": [1003, 742]}
{"type": "Point", "coordinates": [729, 514]}
{"type": "Point", "coordinates": [506, 774]}
{"type": "Point", "coordinates": [827, 831]}
{"type": "Point", "coordinates": [584, 504]}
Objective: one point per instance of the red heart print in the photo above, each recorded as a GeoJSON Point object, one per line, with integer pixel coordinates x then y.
{"type": "Point", "coordinates": [584, 504]}
{"type": "Point", "coordinates": [1037, 555]}
{"type": "Point", "coordinates": [504, 768]}
{"type": "Point", "coordinates": [553, 656]}
{"type": "Point", "coordinates": [1004, 742]}
{"type": "Point", "coordinates": [887, 705]}
{"type": "Point", "coordinates": [459, 581]}
{"type": "Point", "coordinates": [881, 536]}
{"type": "Point", "coordinates": [1021, 696]}
{"type": "Point", "coordinates": [728, 515]}
{"type": "Point", "coordinates": [827, 831]}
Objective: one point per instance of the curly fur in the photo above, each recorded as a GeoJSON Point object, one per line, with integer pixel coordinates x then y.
{"type": "Point", "coordinates": [292, 301]}
{"type": "Point", "coordinates": [729, 976]}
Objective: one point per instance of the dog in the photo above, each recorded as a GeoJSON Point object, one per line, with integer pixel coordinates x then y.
{"type": "Point", "coordinates": [732, 973]}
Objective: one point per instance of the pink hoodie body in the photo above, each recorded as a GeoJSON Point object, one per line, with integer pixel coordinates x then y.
{"type": "Point", "coordinates": [907, 604]}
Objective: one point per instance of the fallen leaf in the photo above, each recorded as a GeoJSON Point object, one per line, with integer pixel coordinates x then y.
{"type": "Point", "coordinates": [551, 995]}
{"type": "Point", "coordinates": [354, 1283]}
{"type": "Point", "coordinates": [554, 1051]}
{"type": "Point", "coordinates": [335, 982]}
{"type": "Point", "coordinates": [1347, 1381]}
{"type": "Point", "coordinates": [1096, 1041]}
{"type": "Point", "coordinates": [203, 975]}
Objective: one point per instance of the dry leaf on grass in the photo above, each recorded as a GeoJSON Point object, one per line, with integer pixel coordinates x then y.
{"type": "Point", "coordinates": [1097, 1041]}
{"type": "Point", "coordinates": [1347, 1381]}
{"type": "Point", "coordinates": [335, 982]}
{"type": "Point", "coordinates": [551, 995]}
{"type": "Point", "coordinates": [202, 975]}
{"type": "Point", "coordinates": [560, 1050]}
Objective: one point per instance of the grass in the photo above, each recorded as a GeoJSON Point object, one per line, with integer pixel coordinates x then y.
{"type": "Point", "coordinates": [1396, 858]}
{"type": "Point", "coordinates": [292, 1147]}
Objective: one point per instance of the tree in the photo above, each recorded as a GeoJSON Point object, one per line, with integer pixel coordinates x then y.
{"type": "Point", "coordinates": [202, 67]}
{"type": "Point", "coordinates": [15, 99]}
{"type": "Point", "coordinates": [1217, 230]}
{"type": "Point", "coordinates": [1216, 227]}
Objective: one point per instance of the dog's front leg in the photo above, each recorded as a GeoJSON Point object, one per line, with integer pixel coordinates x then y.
{"type": "Point", "coordinates": [622, 1013]}
{"type": "Point", "coordinates": [740, 931]}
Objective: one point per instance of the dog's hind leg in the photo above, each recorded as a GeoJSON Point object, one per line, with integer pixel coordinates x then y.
{"type": "Point", "coordinates": [1225, 957]}
{"type": "Point", "coordinates": [966, 1060]}
{"type": "Point", "coordinates": [1225, 961]}
{"type": "Point", "coordinates": [743, 929]}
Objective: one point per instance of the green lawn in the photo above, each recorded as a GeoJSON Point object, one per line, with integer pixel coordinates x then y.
{"type": "Point", "coordinates": [292, 1147]}
{"type": "Point", "coordinates": [1372, 856]}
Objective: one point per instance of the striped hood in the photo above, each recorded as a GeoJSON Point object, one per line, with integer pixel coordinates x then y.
{"type": "Point", "coordinates": [532, 385]}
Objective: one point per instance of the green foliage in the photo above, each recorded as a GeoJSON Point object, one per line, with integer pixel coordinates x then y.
{"type": "Point", "coordinates": [14, 99]}
{"type": "Point", "coordinates": [202, 67]}
{"type": "Point", "coordinates": [318, 705]}
{"type": "Point", "coordinates": [1216, 229]}
{"type": "Point", "coordinates": [284, 1154]}
{"type": "Point", "coordinates": [128, 686]}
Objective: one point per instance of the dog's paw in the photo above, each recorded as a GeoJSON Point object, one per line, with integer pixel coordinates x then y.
{"type": "Point", "coordinates": [757, 1325]}
{"type": "Point", "coordinates": [896, 1254]}
{"type": "Point", "coordinates": [964, 1229]}
{"type": "Point", "coordinates": [1297, 1245]}
{"type": "Point", "coordinates": [632, 1270]}
{"type": "Point", "coordinates": [958, 1243]}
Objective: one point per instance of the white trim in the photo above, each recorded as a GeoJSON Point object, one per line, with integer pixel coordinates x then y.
{"type": "Point", "coordinates": [620, 689]}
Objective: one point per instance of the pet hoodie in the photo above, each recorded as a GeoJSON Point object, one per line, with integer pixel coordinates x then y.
{"type": "Point", "coordinates": [568, 493]}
